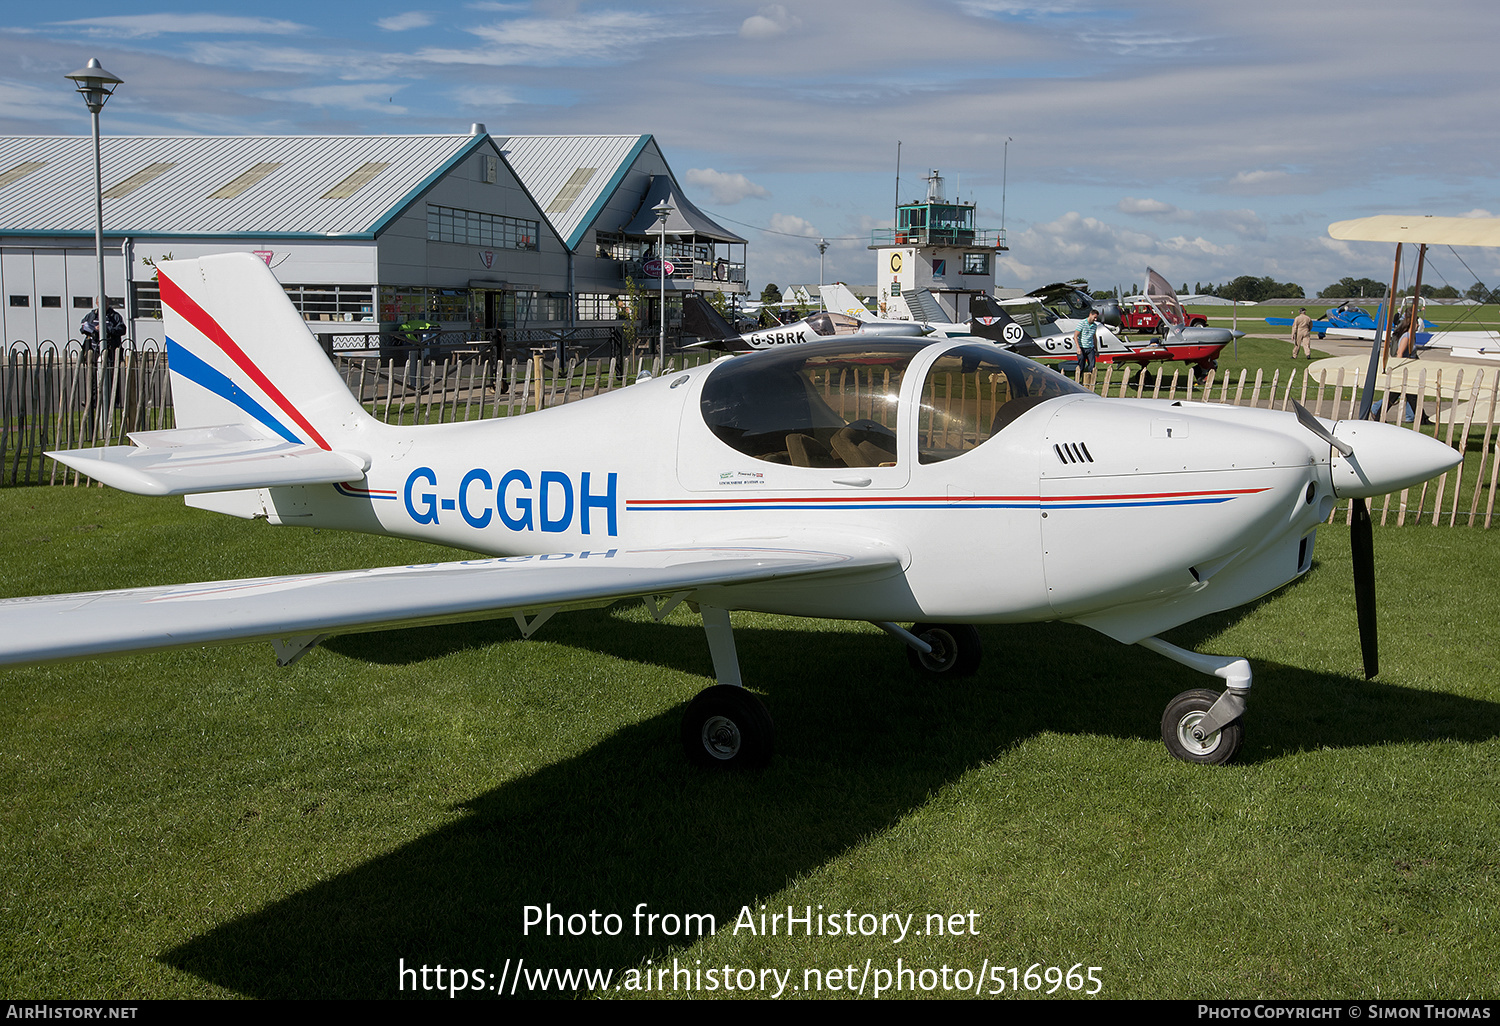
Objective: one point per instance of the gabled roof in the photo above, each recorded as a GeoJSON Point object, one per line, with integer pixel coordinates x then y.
{"type": "Point", "coordinates": [685, 219]}
{"type": "Point", "coordinates": [571, 177]}
{"type": "Point", "coordinates": [265, 186]}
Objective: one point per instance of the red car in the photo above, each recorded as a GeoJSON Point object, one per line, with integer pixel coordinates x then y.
{"type": "Point", "coordinates": [1138, 316]}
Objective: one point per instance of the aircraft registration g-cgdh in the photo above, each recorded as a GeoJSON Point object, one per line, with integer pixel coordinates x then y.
{"type": "Point", "coordinates": [887, 479]}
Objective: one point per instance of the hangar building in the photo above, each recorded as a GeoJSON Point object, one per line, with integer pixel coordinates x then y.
{"type": "Point", "coordinates": [475, 233]}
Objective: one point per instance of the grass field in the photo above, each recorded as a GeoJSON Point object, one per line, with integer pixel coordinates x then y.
{"type": "Point", "coordinates": [201, 823]}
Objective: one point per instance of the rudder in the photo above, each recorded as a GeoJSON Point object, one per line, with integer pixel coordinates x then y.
{"type": "Point", "coordinates": [240, 353]}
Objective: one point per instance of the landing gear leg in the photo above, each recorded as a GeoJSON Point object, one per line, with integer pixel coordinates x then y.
{"type": "Point", "coordinates": [726, 726]}
{"type": "Point", "coordinates": [940, 649]}
{"type": "Point", "coordinates": [1200, 725]}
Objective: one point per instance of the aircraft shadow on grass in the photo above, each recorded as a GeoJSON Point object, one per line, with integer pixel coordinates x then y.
{"type": "Point", "coordinates": [861, 748]}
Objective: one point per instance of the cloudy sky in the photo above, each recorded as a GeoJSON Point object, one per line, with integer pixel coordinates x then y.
{"type": "Point", "coordinates": [1208, 139]}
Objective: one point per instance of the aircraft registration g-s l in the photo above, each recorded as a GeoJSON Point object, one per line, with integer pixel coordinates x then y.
{"type": "Point", "coordinates": [883, 479]}
{"type": "Point", "coordinates": [1030, 326]}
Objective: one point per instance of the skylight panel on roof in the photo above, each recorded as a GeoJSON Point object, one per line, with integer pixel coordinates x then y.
{"type": "Point", "coordinates": [356, 181]}
{"type": "Point", "coordinates": [244, 180]}
{"type": "Point", "coordinates": [20, 171]}
{"type": "Point", "coordinates": [570, 190]}
{"type": "Point", "coordinates": [135, 181]}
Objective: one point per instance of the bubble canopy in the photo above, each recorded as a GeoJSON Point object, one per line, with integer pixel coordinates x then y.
{"type": "Point", "coordinates": [838, 404]}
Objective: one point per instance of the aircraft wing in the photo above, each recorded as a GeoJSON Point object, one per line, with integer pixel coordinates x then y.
{"type": "Point", "coordinates": [300, 610]}
{"type": "Point", "coordinates": [1286, 322]}
{"type": "Point", "coordinates": [182, 461]}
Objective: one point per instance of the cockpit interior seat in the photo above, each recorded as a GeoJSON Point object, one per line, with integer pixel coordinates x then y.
{"type": "Point", "coordinates": [856, 446]}
{"type": "Point", "coordinates": [807, 451]}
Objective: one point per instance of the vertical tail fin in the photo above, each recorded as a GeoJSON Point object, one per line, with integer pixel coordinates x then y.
{"type": "Point", "coordinates": [990, 320]}
{"type": "Point", "coordinates": [704, 322]}
{"type": "Point", "coordinates": [240, 353]}
{"type": "Point", "coordinates": [839, 298]}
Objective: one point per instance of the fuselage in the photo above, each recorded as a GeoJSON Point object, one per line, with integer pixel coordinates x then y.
{"type": "Point", "coordinates": [994, 522]}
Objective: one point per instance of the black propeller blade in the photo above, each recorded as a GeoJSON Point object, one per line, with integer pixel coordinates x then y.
{"type": "Point", "coordinates": [1361, 548]}
{"type": "Point", "coordinates": [1362, 555]}
{"type": "Point", "coordinates": [1361, 535]}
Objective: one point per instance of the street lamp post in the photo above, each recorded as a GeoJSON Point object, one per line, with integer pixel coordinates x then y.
{"type": "Point", "coordinates": [822, 248]}
{"type": "Point", "coordinates": [662, 211]}
{"type": "Point", "coordinates": [96, 86]}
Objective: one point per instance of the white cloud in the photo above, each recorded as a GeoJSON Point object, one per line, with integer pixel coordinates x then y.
{"type": "Point", "coordinates": [403, 22]}
{"type": "Point", "coordinates": [145, 26]}
{"type": "Point", "coordinates": [725, 188]}
{"type": "Point", "coordinates": [791, 224]}
{"type": "Point", "coordinates": [366, 96]}
{"type": "Point", "coordinates": [1242, 222]}
{"type": "Point", "coordinates": [1146, 207]}
{"type": "Point", "coordinates": [769, 23]}
{"type": "Point", "coordinates": [1477, 212]}
{"type": "Point", "coordinates": [1261, 181]}
{"type": "Point", "coordinates": [316, 63]}
{"type": "Point", "coordinates": [594, 37]}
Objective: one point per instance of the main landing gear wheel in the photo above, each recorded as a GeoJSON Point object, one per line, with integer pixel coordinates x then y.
{"type": "Point", "coordinates": [1183, 715]}
{"type": "Point", "coordinates": [956, 649]}
{"type": "Point", "coordinates": [727, 727]}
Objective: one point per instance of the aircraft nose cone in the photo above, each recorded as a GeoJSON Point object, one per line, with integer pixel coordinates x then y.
{"type": "Point", "coordinates": [1386, 458]}
{"type": "Point", "coordinates": [1207, 336]}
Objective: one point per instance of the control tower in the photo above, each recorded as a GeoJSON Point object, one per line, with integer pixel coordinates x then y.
{"type": "Point", "coordinates": [934, 246]}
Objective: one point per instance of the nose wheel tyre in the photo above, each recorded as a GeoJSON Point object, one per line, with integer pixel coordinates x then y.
{"type": "Point", "coordinates": [1181, 719]}
{"type": "Point", "coordinates": [956, 650]}
{"type": "Point", "coordinates": [727, 727]}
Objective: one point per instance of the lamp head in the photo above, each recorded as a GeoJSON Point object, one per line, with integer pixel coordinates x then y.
{"type": "Point", "coordinates": [94, 84]}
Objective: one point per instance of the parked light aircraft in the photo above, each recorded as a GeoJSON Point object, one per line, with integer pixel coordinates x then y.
{"type": "Point", "coordinates": [1028, 327]}
{"type": "Point", "coordinates": [839, 297]}
{"type": "Point", "coordinates": [702, 321]}
{"type": "Point", "coordinates": [1349, 321]}
{"type": "Point", "coordinates": [885, 479]}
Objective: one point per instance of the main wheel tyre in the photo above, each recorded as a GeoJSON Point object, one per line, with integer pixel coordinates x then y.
{"type": "Point", "coordinates": [727, 727]}
{"type": "Point", "coordinates": [956, 649]}
{"type": "Point", "coordinates": [1183, 714]}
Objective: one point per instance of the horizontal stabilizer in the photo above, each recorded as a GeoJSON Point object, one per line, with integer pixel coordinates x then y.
{"type": "Point", "coordinates": [210, 459]}
{"type": "Point", "coordinates": [57, 627]}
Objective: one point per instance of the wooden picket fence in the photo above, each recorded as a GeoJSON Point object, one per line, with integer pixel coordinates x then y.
{"type": "Point", "coordinates": [1463, 418]}
{"type": "Point", "coordinates": [473, 388]}
{"type": "Point", "coordinates": [68, 401]}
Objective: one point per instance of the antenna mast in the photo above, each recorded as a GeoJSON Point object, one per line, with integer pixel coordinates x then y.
{"type": "Point", "coordinates": [898, 184]}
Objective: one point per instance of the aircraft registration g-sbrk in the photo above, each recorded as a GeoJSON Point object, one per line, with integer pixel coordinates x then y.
{"type": "Point", "coordinates": [887, 479]}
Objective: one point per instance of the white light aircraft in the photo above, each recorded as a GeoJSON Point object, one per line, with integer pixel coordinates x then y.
{"type": "Point", "coordinates": [702, 321]}
{"type": "Point", "coordinates": [839, 298]}
{"type": "Point", "coordinates": [891, 480]}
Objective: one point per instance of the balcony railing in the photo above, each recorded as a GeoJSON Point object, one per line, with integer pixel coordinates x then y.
{"type": "Point", "coordinates": [706, 271]}
{"type": "Point", "coordinates": [988, 238]}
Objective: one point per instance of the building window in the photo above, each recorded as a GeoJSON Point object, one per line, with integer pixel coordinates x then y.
{"type": "Point", "coordinates": [147, 299]}
{"type": "Point", "coordinates": [596, 306]}
{"type": "Point", "coordinates": [400, 305]}
{"type": "Point", "coordinates": [527, 307]}
{"type": "Point", "coordinates": [976, 263]}
{"type": "Point", "coordinates": [52, 302]}
{"type": "Point", "coordinates": [472, 228]}
{"type": "Point", "coordinates": [20, 300]}
{"type": "Point", "coordinates": [83, 302]}
{"type": "Point", "coordinates": [617, 247]}
{"type": "Point", "coordinates": [332, 302]}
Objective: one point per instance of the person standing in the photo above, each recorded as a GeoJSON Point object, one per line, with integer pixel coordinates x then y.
{"type": "Point", "coordinates": [1086, 336]}
{"type": "Point", "coordinates": [1302, 333]}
